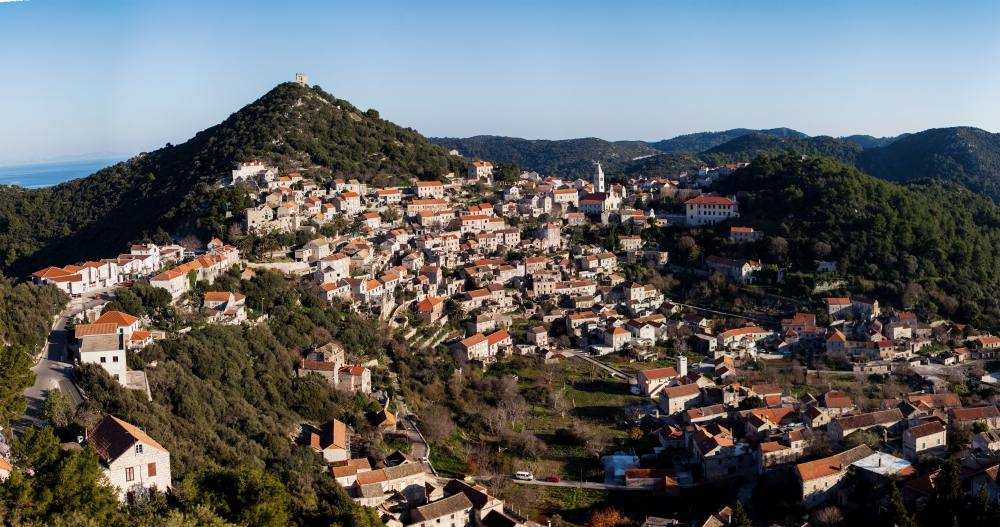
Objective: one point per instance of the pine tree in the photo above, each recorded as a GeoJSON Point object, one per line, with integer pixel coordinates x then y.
{"type": "Point", "coordinates": [896, 514]}
{"type": "Point", "coordinates": [740, 518]}
{"type": "Point", "coordinates": [982, 507]}
{"type": "Point", "coordinates": [948, 498]}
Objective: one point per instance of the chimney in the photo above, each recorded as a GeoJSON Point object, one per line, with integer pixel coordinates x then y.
{"type": "Point", "coordinates": [682, 365]}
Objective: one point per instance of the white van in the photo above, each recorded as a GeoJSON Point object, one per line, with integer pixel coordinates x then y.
{"type": "Point", "coordinates": [522, 475]}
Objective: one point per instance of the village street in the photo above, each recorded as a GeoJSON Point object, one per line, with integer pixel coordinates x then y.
{"type": "Point", "coordinates": [53, 368]}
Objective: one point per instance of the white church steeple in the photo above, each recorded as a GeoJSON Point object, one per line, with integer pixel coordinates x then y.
{"type": "Point", "coordinates": [598, 178]}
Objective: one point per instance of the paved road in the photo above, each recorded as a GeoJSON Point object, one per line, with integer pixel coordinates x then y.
{"type": "Point", "coordinates": [420, 447]}
{"type": "Point", "coordinates": [54, 368]}
{"type": "Point", "coordinates": [616, 372]}
{"type": "Point", "coordinates": [578, 484]}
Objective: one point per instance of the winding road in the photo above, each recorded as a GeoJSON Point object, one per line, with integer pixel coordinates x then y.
{"type": "Point", "coordinates": [54, 369]}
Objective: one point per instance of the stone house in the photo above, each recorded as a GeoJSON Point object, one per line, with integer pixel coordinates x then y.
{"type": "Point", "coordinates": [333, 442]}
{"type": "Point", "coordinates": [680, 398]}
{"type": "Point", "coordinates": [486, 509]}
{"type": "Point", "coordinates": [453, 511]}
{"type": "Point", "coordinates": [821, 479]}
{"type": "Point", "coordinates": [132, 461]}
{"type": "Point", "coordinates": [928, 438]}
{"type": "Point", "coordinates": [538, 336]}
{"type": "Point", "coordinates": [842, 427]}
{"type": "Point", "coordinates": [355, 379]}
{"type": "Point", "coordinates": [430, 309]}
{"type": "Point", "coordinates": [986, 441]}
{"type": "Point", "coordinates": [966, 417]}
{"type": "Point", "coordinates": [326, 360]}
{"type": "Point", "coordinates": [814, 417]}
{"type": "Point", "coordinates": [651, 382]}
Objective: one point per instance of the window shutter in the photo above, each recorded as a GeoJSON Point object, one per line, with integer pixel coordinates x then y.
{"type": "Point", "coordinates": [151, 470]}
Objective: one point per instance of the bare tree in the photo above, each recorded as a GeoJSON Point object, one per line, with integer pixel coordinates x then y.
{"type": "Point", "coordinates": [492, 417]}
{"type": "Point", "coordinates": [234, 233]}
{"type": "Point", "coordinates": [514, 410]}
{"type": "Point", "coordinates": [547, 374]}
{"type": "Point", "coordinates": [191, 243]}
{"type": "Point", "coordinates": [597, 442]}
{"type": "Point", "coordinates": [558, 403]}
{"type": "Point", "coordinates": [484, 456]}
{"type": "Point", "coordinates": [436, 424]}
{"type": "Point", "coordinates": [817, 443]}
{"type": "Point", "coordinates": [526, 444]}
{"type": "Point", "coordinates": [828, 516]}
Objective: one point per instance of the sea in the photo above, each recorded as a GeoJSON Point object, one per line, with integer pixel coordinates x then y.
{"type": "Point", "coordinates": [48, 174]}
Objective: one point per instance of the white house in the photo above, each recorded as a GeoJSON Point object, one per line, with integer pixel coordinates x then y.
{"type": "Point", "coordinates": [132, 461]}
{"type": "Point", "coordinates": [706, 210]}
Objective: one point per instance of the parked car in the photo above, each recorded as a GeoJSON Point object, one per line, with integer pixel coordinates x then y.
{"type": "Point", "coordinates": [127, 284]}
{"type": "Point", "coordinates": [423, 459]}
{"type": "Point", "coordinates": [97, 297]}
{"type": "Point", "coordinates": [525, 476]}
{"type": "Point", "coordinates": [553, 479]}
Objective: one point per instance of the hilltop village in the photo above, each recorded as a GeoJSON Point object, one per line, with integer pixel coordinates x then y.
{"type": "Point", "coordinates": [820, 414]}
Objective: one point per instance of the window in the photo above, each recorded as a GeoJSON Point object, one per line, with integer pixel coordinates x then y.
{"type": "Point", "coordinates": [138, 448]}
{"type": "Point", "coordinates": [939, 441]}
{"type": "Point", "coordinates": [129, 474]}
{"type": "Point", "coordinates": [923, 445]}
{"type": "Point", "coordinates": [151, 470]}
{"type": "Point", "coordinates": [104, 359]}
{"type": "Point", "coordinates": [114, 359]}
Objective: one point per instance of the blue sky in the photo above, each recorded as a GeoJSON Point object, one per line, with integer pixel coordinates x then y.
{"type": "Point", "coordinates": [79, 77]}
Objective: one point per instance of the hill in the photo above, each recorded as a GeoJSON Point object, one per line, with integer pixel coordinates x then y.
{"type": "Point", "coordinates": [868, 141]}
{"type": "Point", "coordinates": [295, 127]}
{"type": "Point", "coordinates": [665, 166]}
{"type": "Point", "coordinates": [752, 145]}
{"type": "Point", "coordinates": [888, 236]}
{"type": "Point", "coordinates": [571, 158]}
{"type": "Point", "coordinates": [699, 142]}
{"type": "Point", "coordinates": [966, 155]}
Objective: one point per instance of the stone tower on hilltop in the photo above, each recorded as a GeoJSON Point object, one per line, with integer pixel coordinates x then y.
{"type": "Point", "coordinates": [302, 79]}
{"type": "Point", "coordinates": [598, 178]}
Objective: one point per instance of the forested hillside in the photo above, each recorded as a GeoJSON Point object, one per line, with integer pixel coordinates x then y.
{"type": "Point", "coordinates": [868, 141]}
{"type": "Point", "coordinates": [925, 243]}
{"type": "Point", "coordinates": [228, 405]}
{"type": "Point", "coordinates": [699, 142]}
{"type": "Point", "coordinates": [966, 155]}
{"type": "Point", "coordinates": [292, 126]}
{"type": "Point", "coordinates": [666, 166]}
{"type": "Point", "coordinates": [566, 158]}
{"type": "Point", "coordinates": [752, 145]}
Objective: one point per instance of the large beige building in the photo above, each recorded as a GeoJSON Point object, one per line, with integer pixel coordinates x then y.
{"type": "Point", "coordinates": [428, 189]}
{"type": "Point", "coordinates": [706, 210]}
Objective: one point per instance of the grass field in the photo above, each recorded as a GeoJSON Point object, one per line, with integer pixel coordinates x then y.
{"type": "Point", "coordinates": [597, 400]}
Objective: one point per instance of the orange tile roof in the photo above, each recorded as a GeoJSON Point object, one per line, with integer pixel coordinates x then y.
{"type": "Point", "coordinates": [473, 340]}
{"type": "Point", "coordinates": [497, 337]}
{"type": "Point", "coordinates": [116, 317]}
{"type": "Point", "coordinates": [217, 296]}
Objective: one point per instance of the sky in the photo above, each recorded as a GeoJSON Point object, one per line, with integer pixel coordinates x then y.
{"type": "Point", "coordinates": [80, 77]}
